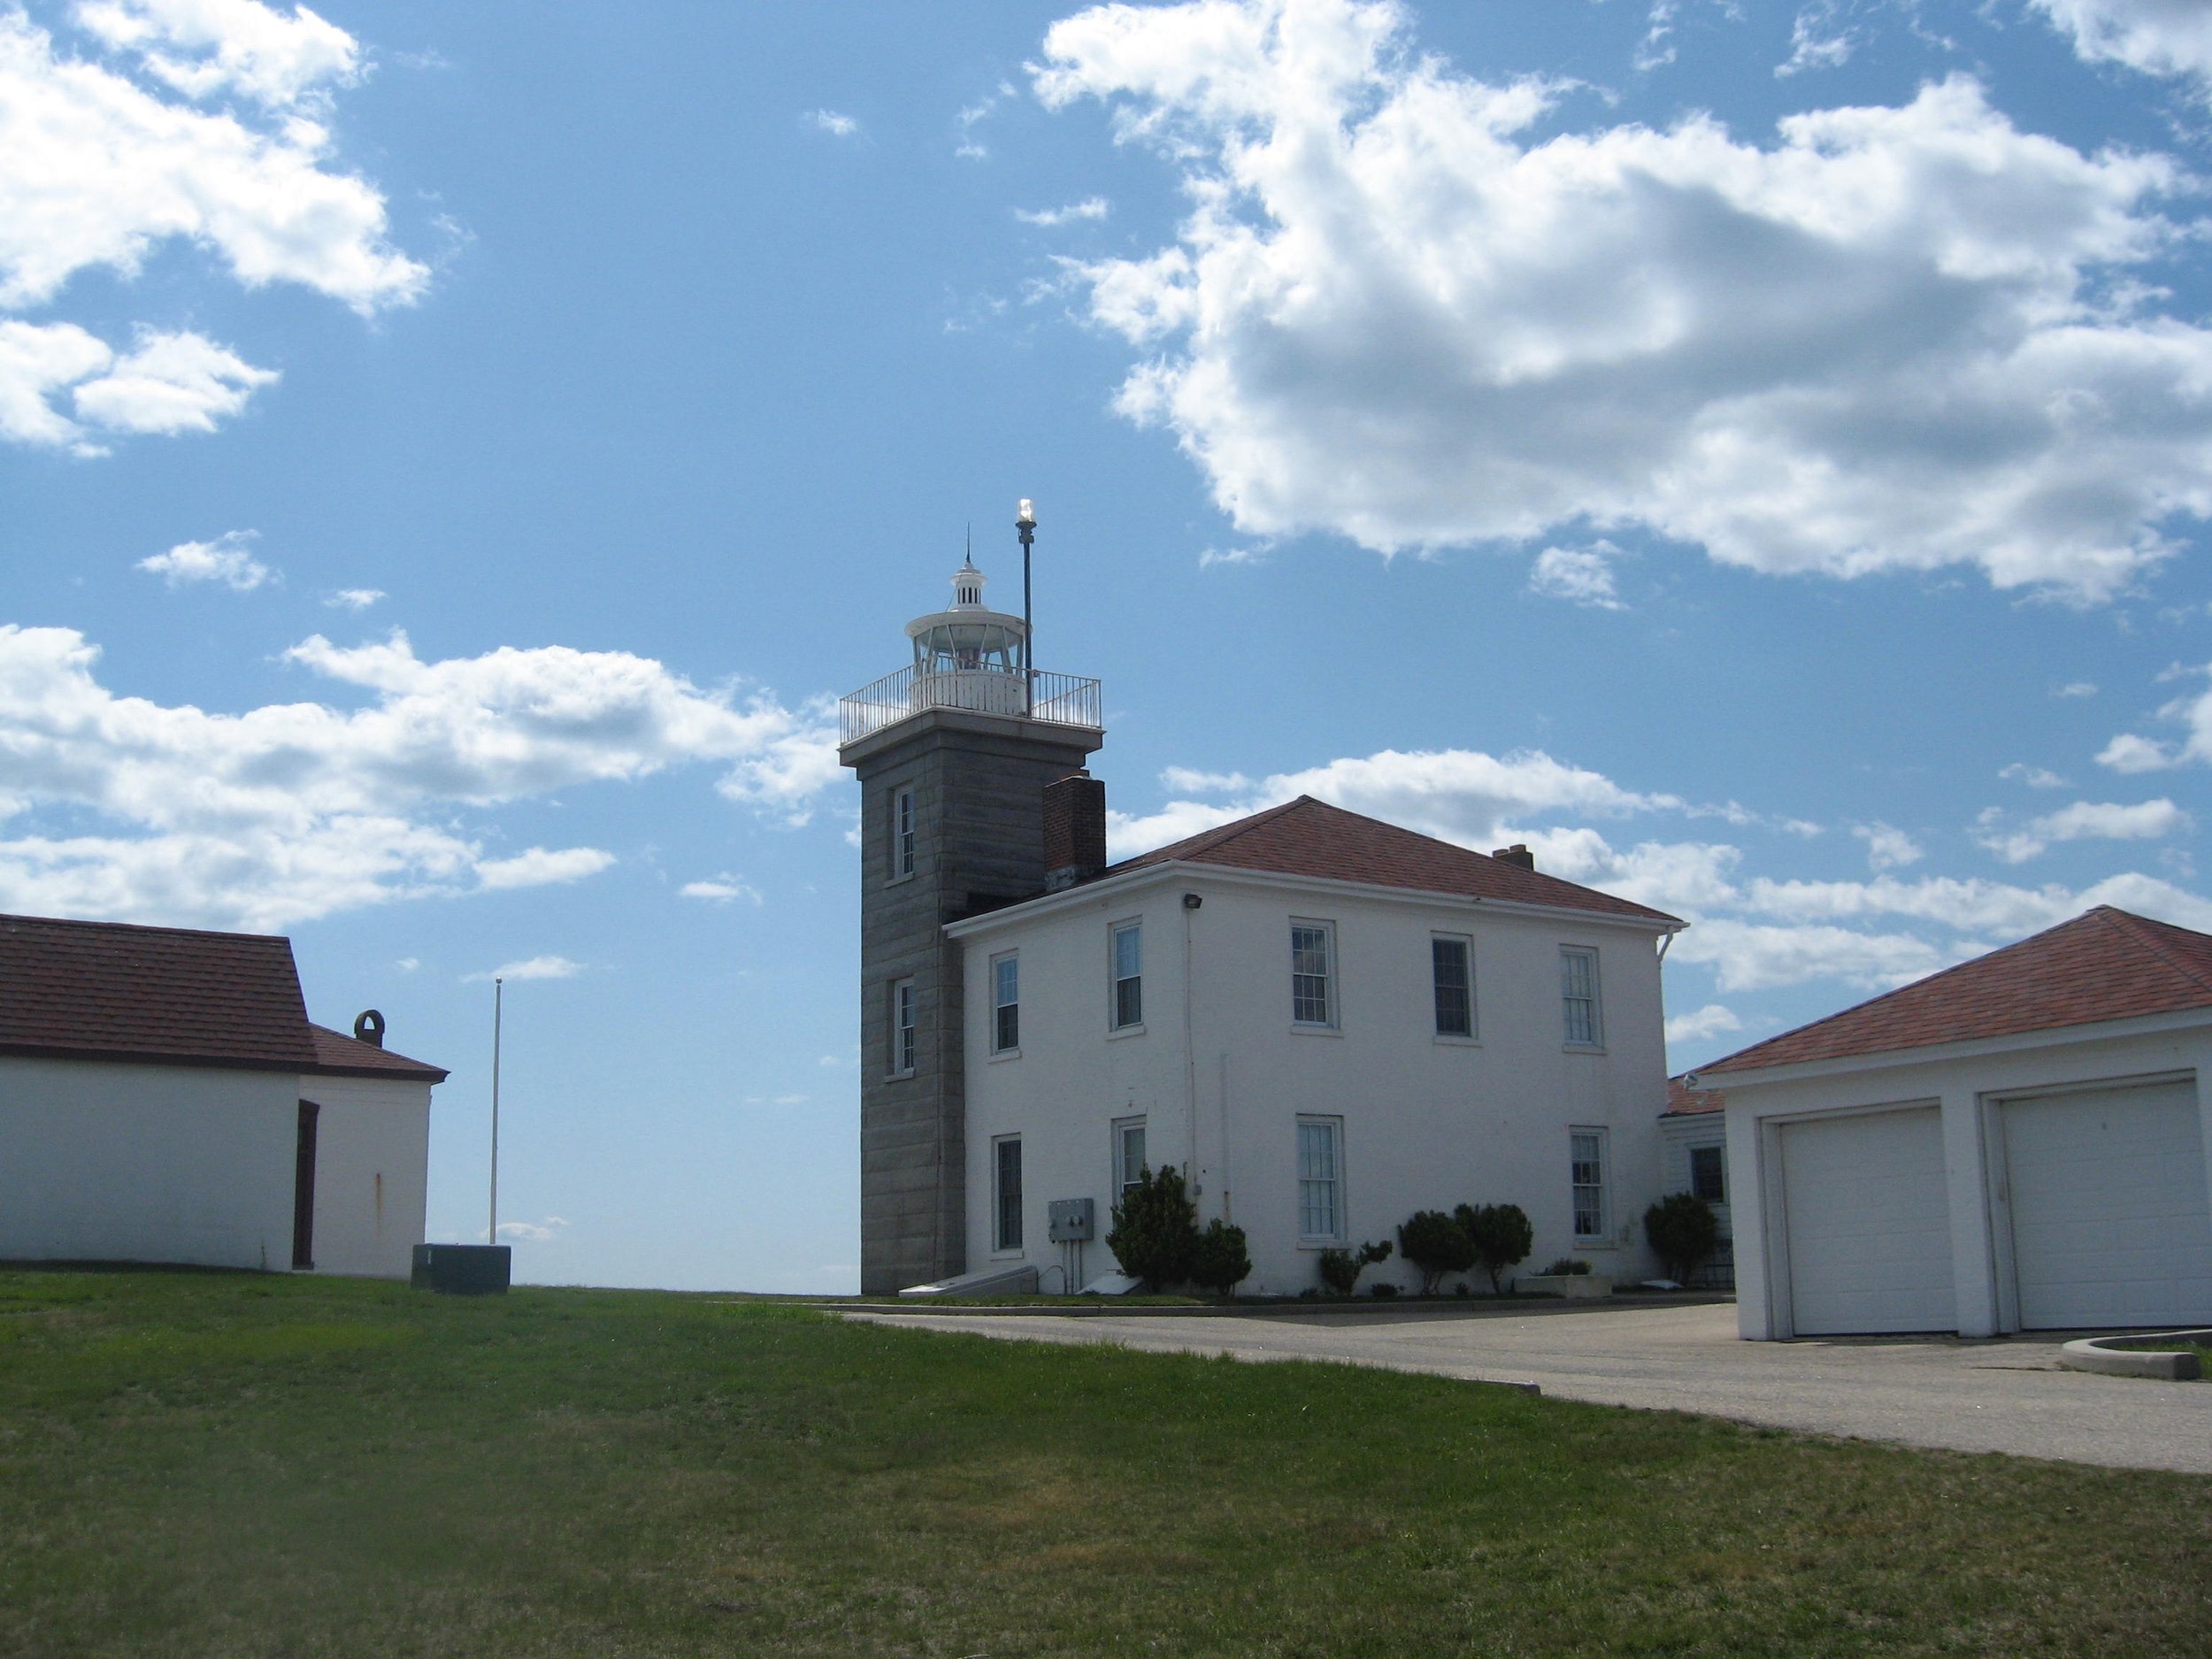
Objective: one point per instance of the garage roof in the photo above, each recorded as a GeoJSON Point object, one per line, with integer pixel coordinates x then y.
{"type": "Point", "coordinates": [1307, 837]}
{"type": "Point", "coordinates": [2104, 964]}
{"type": "Point", "coordinates": [166, 996]}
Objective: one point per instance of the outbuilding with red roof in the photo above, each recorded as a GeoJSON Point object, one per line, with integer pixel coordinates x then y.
{"type": "Point", "coordinates": [163, 1097]}
{"type": "Point", "coordinates": [2019, 1142]}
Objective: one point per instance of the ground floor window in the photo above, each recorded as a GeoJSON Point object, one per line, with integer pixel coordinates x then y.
{"type": "Point", "coordinates": [1129, 1161]}
{"type": "Point", "coordinates": [1006, 1157]}
{"type": "Point", "coordinates": [1321, 1177]}
{"type": "Point", "coordinates": [1709, 1174]}
{"type": "Point", "coordinates": [1587, 1158]}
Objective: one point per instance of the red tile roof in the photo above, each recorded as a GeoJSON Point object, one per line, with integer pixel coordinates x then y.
{"type": "Point", "coordinates": [1684, 1101]}
{"type": "Point", "coordinates": [171, 996]}
{"type": "Point", "coordinates": [1307, 837]}
{"type": "Point", "coordinates": [2104, 964]}
{"type": "Point", "coordinates": [337, 1054]}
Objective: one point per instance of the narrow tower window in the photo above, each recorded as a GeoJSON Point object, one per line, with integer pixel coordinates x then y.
{"type": "Point", "coordinates": [1006, 1004]}
{"type": "Point", "coordinates": [1128, 975]}
{"type": "Point", "coordinates": [1452, 971]}
{"type": "Point", "coordinates": [902, 833]}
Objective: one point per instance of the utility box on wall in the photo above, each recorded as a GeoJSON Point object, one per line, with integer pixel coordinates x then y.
{"type": "Point", "coordinates": [1069, 1221]}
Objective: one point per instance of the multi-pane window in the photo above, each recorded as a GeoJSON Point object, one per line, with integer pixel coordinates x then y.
{"type": "Point", "coordinates": [1586, 1157]}
{"type": "Point", "coordinates": [1312, 996]}
{"type": "Point", "coordinates": [1321, 1177]}
{"type": "Point", "coordinates": [903, 1026]}
{"type": "Point", "coordinates": [902, 833]}
{"type": "Point", "coordinates": [1006, 1004]}
{"type": "Point", "coordinates": [1006, 1184]}
{"type": "Point", "coordinates": [1129, 1164]}
{"type": "Point", "coordinates": [1709, 1174]}
{"type": "Point", "coordinates": [1452, 970]}
{"type": "Point", "coordinates": [1128, 975]}
{"type": "Point", "coordinates": [1579, 995]}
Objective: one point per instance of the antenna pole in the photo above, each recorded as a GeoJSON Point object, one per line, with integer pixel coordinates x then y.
{"type": "Point", "coordinates": [1025, 526]}
{"type": "Point", "coordinates": [499, 995]}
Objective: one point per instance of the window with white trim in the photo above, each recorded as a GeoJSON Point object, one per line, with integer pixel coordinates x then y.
{"type": "Point", "coordinates": [1579, 996]}
{"type": "Point", "coordinates": [902, 833]}
{"type": "Point", "coordinates": [1321, 1177]}
{"type": "Point", "coordinates": [1006, 1004]}
{"type": "Point", "coordinates": [1006, 1193]}
{"type": "Point", "coordinates": [1313, 973]}
{"type": "Point", "coordinates": [1129, 1164]}
{"type": "Point", "coordinates": [1586, 1173]}
{"type": "Point", "coordinates": [1709, 1174]}
{"type": "Point", "coordinates": [1127, 944]}
{"type": "Point", "coordinates": [902, 1025]}
{"type": "Point", "coordinates": [1452, 974]}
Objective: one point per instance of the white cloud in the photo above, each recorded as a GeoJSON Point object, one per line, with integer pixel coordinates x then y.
{"type": "Point", "coordinates": [1581, 576]}
{"type": "Point", "coordinates": [1188, 781]}
{"type": "Point", "coordinates": [224, 560]}
{"type": "Point", "coordinates": [1712, 1020]}
{"type": "Point", "coordinates": [2077, 688]}
{"type": "Point", "coordinates": [724, 889]}
{"type": "Point", "coordinates": [777, 1100]}
{"type": "Point", "coordinates": [172, 383]}
{"type": "Point", "coordinates": [207, 47]}
{"type": "Point", "coordinates": [354, 598]}
{"type": "Point", "coordinates": [1816, 40]}
{"type": "Point", "coordinates": [408, 964]}
{"type": "Point", "coordinates": [2130, 753]}
{"type": "Point", "coordinates": [294, 810]}
{"type": "Point", "coordinates": [2159, 37]}
{"type": "Point", "coordinates": [831, 122]}
{"type": "Point", "coordinates": [1255, 553]}
{"type": "Point", "coordinates": [531, 968]}
{"type": "Point", "coordinates": [1866, 345]}
{"type": "Point", "coordinates": [535, 1232]}
{"type": "Point", "coordinates": [1887, 848]}
{"type": "Point", "coordinates": [1758, 956]}
{"type": "Point", "coordinates": [2034, 777]}
{"type": "Point", "coordinates": [2084, 820]}
{"type": "Point", "coordinates": [1093, 207]}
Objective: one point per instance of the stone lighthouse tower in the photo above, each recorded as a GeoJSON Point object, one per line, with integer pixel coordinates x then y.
{"type": "Point", "coordinates": [954, 752]}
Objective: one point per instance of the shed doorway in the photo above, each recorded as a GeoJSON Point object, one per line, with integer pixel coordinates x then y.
{"type": "Point", "coordinates": [303, 1189]}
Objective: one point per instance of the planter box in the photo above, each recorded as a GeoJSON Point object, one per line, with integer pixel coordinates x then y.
{"type": "Point", "coordinates": [1572, 1286]}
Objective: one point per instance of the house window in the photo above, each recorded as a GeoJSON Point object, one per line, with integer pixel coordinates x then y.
{"type": "Point", "coordinates": [902, 1027]}
{"type": "Point", "coordinates": [1452, 970]}
{"type": "Point", "coordinates": [1579, 995]}
{"type": "Point", "coordinates": [1312, 947]}
{"type": "Point", "coordinates": [1006, 1184]}
{"type": "Point", "coordinates": [1586, 1157]}
{"type": "Point", "coordinates": [1006, 1004]}
{"type": "Point", "coordinates": [1128, 945]}
{"type": "Point", "coordinates": [902, 833]}
{"type": "Point", "coordinates": [1320, 1178]}
{"type": "Point", "coordinates": [1129, 1164]}
{"type": "Point", "coordinates": [1709, 1174]}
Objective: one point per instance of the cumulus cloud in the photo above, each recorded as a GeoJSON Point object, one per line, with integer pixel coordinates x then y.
{"type": "Point", "coordinates": [1882, 339]}
{"type": "Point", "coordinates": [2158, 37]}
{"type": "Point", "coordinates": [1887, 848]}
{"type": "Point", "coordinates": [1581, 576]}
{"type": "Point", "coordinates": [535, 1232]}
{"type": "Point", "coordinates": [1712, 1020]}
{"type": "Point", "coordinates": [227, 560]}
{"type": "Point", "coordinates": [171, 382]}
{"type": "Point", "coordinates": [1090, 208]}
{"type": "Point", "coordinates": [206, 49]}
{"type": "Point", "coordinates": [2129, 752]}
{"type": "Point", "coordinates": [722, 889]}
{"type": "Point", "coordinates": [531, 968]}
{"type": "Point", "coordinates": [354, 598]}
{"type": "Point", "coordinates": [122, 807]}
{"type": "Point", "coordinates": [2084, 820]}
{"type": "Point", "coordinates": [2034, 777]}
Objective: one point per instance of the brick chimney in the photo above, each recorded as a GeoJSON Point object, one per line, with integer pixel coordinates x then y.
{"type": "Point", "coordinates": [1517, 854]}
{"type": "Point", "coordinates": [1075, 830]}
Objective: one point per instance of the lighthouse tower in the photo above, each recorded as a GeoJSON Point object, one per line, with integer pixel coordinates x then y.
{"type": "Point", "coordinates": [954, 752]}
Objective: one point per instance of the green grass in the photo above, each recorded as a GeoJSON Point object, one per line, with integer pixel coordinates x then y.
{"type": "Point", "coordinates": [223, 1464]}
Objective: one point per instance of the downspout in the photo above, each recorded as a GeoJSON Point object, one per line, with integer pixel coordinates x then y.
{"type": "Point", "coordinates": [1190, 1055]}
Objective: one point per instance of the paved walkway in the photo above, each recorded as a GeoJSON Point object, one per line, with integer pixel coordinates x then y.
{"type": "Point", "coordinates": [2003, 1396]}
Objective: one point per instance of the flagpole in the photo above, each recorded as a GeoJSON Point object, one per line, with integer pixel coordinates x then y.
{"type": "Point", "coordinates": [499, 992]}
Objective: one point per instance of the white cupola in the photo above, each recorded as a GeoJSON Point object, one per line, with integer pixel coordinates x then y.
{"type": "Point", "coordinates": [969, 638]}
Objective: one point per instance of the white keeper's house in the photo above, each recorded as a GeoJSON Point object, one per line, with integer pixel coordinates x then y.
{"type": "Point", "coordinates": [2021, 1142]}
{"type": "Point", "coordinates": [1326, 1021]}
{"type": "Point", "coordinates": [163, 1097]}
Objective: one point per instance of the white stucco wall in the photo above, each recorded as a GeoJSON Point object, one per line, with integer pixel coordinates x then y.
{"type": "Point", "coordinates": [372, 1171]}
{"type": "Point", "coordinates": [1428, 1122]}
{"type": "Point", "coordinates": [101, 1160]}
{"type": "Point", "coordinates": [1967, 1082]}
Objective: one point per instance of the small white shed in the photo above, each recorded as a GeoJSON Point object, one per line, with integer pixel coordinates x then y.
{"type": "Point", "coordinates": [2017, 1143]}
{"type": "Point", "coordinates": [165, 1098]}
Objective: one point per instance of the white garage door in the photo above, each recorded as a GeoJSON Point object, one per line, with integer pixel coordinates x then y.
{"type": "Point", "coordinates": [2109, 1224]}
{"type": "Point", "coordinates": [1868, 1225]}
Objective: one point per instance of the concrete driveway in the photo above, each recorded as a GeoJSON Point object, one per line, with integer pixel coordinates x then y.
{"type": "Point", "coordinates": [2001, 1396]}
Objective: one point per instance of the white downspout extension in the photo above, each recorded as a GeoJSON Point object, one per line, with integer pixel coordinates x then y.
{"type": "Point", "coordinates": [1227, 1219]}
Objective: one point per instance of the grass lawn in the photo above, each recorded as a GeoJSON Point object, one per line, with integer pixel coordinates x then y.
{"type": "Point", "coordinates": [235, 1465]}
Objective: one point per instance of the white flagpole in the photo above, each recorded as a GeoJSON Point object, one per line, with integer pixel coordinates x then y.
{"type": "Point", "coordinates": [499, 991]}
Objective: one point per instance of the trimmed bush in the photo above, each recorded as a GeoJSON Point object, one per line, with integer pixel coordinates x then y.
{"type": "Point", "coordinates": [1340, 1269]}
{"type": "Point", "coordinates": [1155, 1235]}
{"type": "Point", "coordinates": [1503, 1238]}
{"type": "Point", "coordinates": [1219, 1261]}
{"type": "Point", "coordinates": [1568, 1267]}
{"type": "Point", "coordinates": [1683, 1229]}
{"type": "Point", "coordinates": [1436, 1244]}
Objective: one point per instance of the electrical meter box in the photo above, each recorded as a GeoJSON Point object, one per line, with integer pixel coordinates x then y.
{"type": "Point", "coordinates": [1068, 1221]}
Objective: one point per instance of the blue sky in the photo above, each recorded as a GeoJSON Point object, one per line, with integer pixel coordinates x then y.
{"type": "Point", "coordinates": [451, 459]}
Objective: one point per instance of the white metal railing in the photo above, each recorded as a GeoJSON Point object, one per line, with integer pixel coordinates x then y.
{"type": "Point", "coordinates": [1055, 699]}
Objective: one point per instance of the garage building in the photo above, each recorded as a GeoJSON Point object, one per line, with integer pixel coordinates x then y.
{"type": "Point", "coordinates": [2017, 1143]}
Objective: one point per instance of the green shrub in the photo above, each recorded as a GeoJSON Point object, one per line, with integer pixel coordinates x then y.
{"type": "Point", "coordinates": [1501, 1235]}
{"type": "Point", "coordinates": [1436, 1244]}
{"type": "Point", "coordinates": [1219, 1260]}
{"type": "Point", "coordinates": [1568, 1267]}
{"type": "Point", "coordinates": [1155, 1234]}
{"type": "Point", "coordinates": [1382, 1292]}
{"type": "Point", "coordinates": [1340, 1269]}
{"type": "Point", "coordinates": [1683, 1229]}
